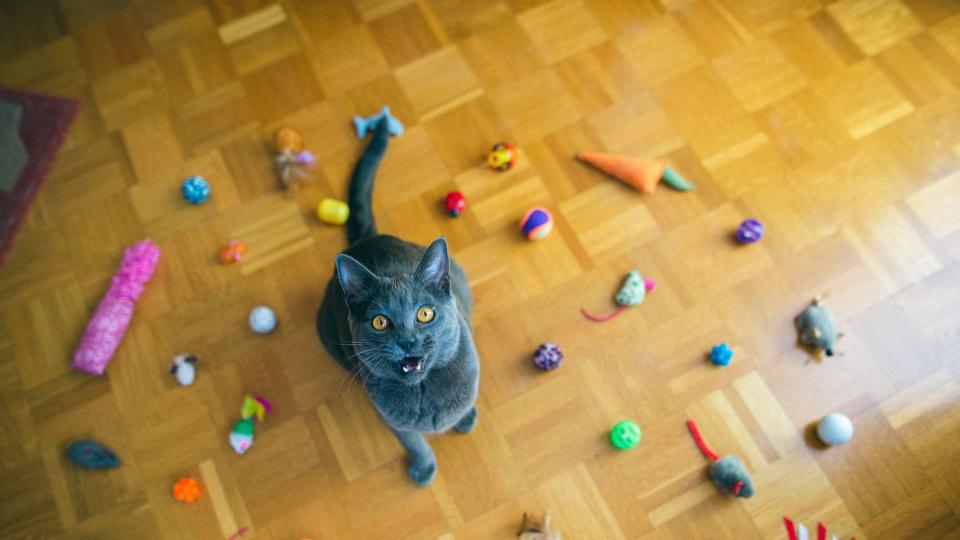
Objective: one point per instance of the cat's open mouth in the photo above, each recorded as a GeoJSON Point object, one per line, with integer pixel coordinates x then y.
{"type": "Point", "coordinates": [411, 364]}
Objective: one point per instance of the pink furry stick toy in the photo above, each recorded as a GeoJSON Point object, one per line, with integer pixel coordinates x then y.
{"type": "Point", "coordinates": [109, 323]}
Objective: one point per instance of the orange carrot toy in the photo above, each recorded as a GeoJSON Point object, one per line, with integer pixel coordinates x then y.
{"type": "Point", "coordinates": [639, 173]}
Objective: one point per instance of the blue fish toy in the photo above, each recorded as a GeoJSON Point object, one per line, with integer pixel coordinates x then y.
{"type": "Point", "coordinates": [363, 125]}
{"type": "Point", "coordinates": [92, 455]}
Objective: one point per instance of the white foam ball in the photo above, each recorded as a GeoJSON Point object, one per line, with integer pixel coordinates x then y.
{"type": "Point", "coordinates": [262, 320]}
{"type": "Point", "coordinates": [835, 429]}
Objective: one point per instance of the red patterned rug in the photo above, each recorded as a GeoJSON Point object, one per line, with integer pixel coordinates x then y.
{"type": "Point", "coordinates": [32, 128]}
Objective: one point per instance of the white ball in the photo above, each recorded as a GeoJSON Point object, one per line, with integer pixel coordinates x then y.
{"type": "Point", "coordinates": [262, 320]}
{"type": "Point", "coordinates": [185, 374]}
{"type": "Point", "coordinates": [835, 429]}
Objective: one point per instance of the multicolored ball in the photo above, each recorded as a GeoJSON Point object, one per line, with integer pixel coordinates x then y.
{"type": "Point", "coordinates": [537, 223]}
{"type": "Point", "coordinates": [749, 231]}
{"type": "Point", "coordinates": [502, 157]}
{"type": "Point", "coordinates": [548, 356]}
{"type": "Point", "coordinates": [195, 190]}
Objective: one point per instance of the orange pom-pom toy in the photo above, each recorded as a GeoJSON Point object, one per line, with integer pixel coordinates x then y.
{"type": "Point", "coordinates": [232, 252]}
{"type": "Point", "coordinates": [186, 490]}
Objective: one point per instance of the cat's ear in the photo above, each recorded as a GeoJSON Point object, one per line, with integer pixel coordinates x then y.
{"type": "Point", "coordinates": [434, 268]}
{"type": "Point", "coordinates": [354, 277]}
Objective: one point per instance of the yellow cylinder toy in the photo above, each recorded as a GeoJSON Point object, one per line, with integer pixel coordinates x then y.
{"type": "Point", "coordinates": [333, 211]}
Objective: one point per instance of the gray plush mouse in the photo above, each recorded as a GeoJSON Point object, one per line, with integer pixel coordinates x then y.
{"type": "Point", "coordinates": [816, 326]}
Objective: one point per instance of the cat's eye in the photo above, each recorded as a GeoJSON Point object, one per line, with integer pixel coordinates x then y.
{"type": "Point", "coordinates": [380, 323]}
{"type": "Point", "coordinates": [425, 314]}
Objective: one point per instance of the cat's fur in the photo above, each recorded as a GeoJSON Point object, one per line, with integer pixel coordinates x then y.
{"type": "Point", "coordinates": [383, 275]}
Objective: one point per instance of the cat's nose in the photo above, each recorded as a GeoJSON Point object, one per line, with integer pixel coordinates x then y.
{"type": "Point", "coordinates": [407, 345]}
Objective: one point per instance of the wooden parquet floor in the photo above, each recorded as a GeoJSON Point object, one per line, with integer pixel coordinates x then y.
{"type": "Point", "coordinates": [837, 123]}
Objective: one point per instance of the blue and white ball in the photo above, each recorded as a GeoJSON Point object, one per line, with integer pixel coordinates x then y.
{"type": "Point", "coordinates": [835, 429]}
{"type": "Point", "coordinates": [195, 190]}
{"type": "Point", "coordinates": [262, 320]}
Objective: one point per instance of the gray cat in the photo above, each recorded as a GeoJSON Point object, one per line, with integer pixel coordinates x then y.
{"type": "Point", "coordinates": [398, 316]}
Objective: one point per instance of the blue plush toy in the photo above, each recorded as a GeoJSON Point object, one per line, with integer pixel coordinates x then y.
{"type": "Point", "coordinates": [363, 125]}
{"type": "Point", "coordinates": [92, 455]}
{"type": "Point", "coordinates": [721, 354]}
{"type": "Point", "coordinates": [195, 190]}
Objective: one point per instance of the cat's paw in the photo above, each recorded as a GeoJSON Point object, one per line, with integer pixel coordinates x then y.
{"type": "Point", "coordinates": [465, 425]}
{"type": "Point", "coordinates": [423, 473]}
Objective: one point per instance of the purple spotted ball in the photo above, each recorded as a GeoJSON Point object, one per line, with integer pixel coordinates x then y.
{"type": "Point", "coordinates": [749, 231]}
{"type": "Point", "coordinates": [548, 356]}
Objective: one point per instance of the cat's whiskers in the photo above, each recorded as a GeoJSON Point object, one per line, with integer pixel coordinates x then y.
{"type": "Point", "coordinates": [354, 371]}
{"type": "Point", "coordinates": [379, 358]}
{"type": "Point", "coordinates": [350, 375]}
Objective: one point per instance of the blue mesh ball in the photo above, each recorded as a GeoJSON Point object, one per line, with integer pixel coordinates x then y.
{"type": "Point", "coordinates": [195, 190]}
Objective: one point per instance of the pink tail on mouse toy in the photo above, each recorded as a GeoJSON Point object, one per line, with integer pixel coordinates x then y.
{"type": "Point", "coordinates": [109, 323]}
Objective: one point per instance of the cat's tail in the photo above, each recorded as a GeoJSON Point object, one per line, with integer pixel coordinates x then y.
{"type": "Point", "coordinates": [361, 224]}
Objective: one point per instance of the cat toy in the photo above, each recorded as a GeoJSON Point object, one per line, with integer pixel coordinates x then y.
{"type": "Point", "coordinates": [241, 436]}
{"type": "Point", "coordinates": [195, 190]}
{"type": "Point", "coordinates": [232, 252]}
{"type": "Point", "coordinates": [835, 429]}
{"type": "Point", "coordinates": [625, 435]}
{"type": "Point", "coordinates": [502, 157]}
{"type": "Point", "coordinates": [749, 231]}
{"type": "Point", "coordinates": [363, 125]}
{"type": "Point", "coordinates": [262, 320]}
{"type": "Point", "coordinates": [728, 472]}
{"type": "Point", "coordinates": [548, 356]}
{"type": "Point", "coordinates": [183, 369]}
{"type": "Point", "coordinates": [186, 490]}
{"type": "Point", "coordinates": [292, 161]}
{"type": "Point", "coordinates": [639, 173]}
{"type": "Point", "coordinates": [533, 530]}
{"type": "Point", "coordinates": [537, 223]}
{"type": "Point", "coordinates": [799, 531]}
{"type": "Point", "coordinates": [631, 293]}
{"type": "Point", "coordinates": [817, 328]}
{"type": "Point", "coordinates": [109, 322]}
{"type": "Point", "coordinates": [92, 455]}
{"type": "Point", "coordinates": [333, 211]}
{"type": "Point", "coordinates": [721, 355]}
{"type": "Point", "coordinates": [456, 203]}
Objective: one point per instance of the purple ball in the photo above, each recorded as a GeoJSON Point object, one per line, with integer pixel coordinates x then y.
{"type": "Point", "coordinates": [548, 356]}
{"type": "Point", "coordinates": [749, 231]}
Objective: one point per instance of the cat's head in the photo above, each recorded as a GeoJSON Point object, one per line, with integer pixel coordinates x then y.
{"type": "Point", "coordinates": [402, 326]}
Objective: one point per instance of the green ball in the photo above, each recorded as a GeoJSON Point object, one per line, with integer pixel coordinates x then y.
{"type": "Point", "coordinates": [625, 435]}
